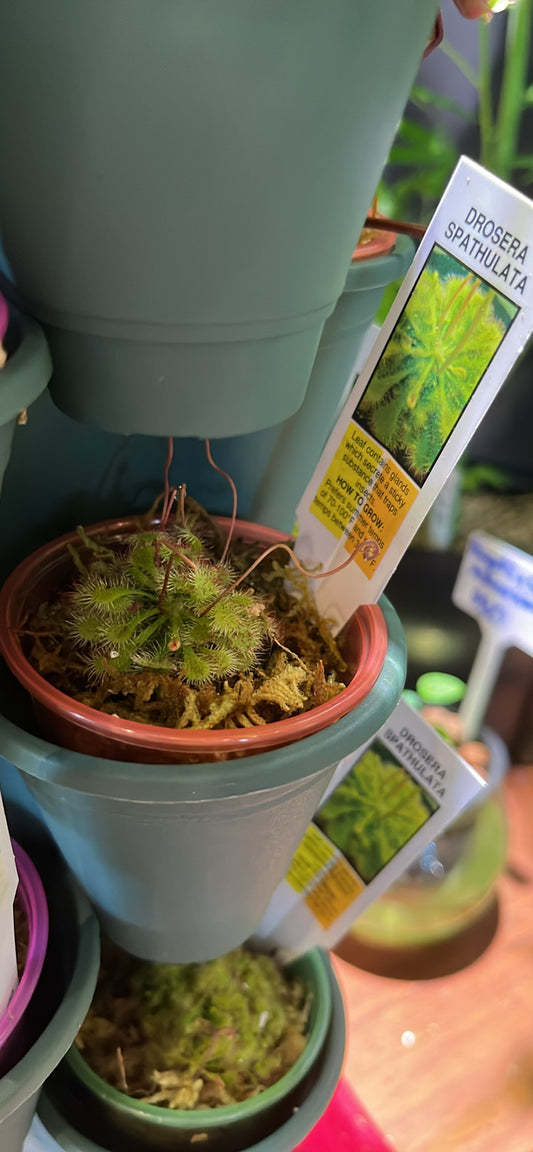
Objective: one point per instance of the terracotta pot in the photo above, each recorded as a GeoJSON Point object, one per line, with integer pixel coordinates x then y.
{"type": "Point", "coordinates": [84, 729]}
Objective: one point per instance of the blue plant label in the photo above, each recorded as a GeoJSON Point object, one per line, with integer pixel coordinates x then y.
{"type": "Point", "coordinates": [8, 888]}
{"type": "Point", "coordinates": [384, 805]}
{"type": "Point", "coordinates": [461, 318]}
{"type": "Point", "coordinates": [495, 586]}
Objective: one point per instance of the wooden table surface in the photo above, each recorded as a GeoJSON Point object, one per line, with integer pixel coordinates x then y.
{"type": "Point", "coordinates": [446, 1064]}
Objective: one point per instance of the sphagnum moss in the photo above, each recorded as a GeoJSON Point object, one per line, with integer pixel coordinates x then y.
{"type": "Point", "coordinates": [194, 1036]}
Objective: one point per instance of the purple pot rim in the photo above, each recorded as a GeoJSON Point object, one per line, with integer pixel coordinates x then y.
{"type": "Point", "coordinates": [31, 893]}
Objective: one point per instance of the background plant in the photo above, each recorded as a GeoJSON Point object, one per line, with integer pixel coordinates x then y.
{"type": "Point", "coordinates": [436, 129]}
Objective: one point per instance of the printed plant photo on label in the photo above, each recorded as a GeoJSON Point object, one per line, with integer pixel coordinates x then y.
{"type": "Point", "coordinates": [441, 346]}
{"type": "Point", "coordinates": [375, 810]}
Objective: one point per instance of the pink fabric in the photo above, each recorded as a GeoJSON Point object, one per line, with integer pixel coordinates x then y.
{"type": "Point", "coordinates": [345, 1127]}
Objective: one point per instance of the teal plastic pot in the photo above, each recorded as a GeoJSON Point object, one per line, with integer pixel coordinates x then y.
{"type": "Point", "coordinates": [76, 1111]}
{"type": "Point", "coordinates": [180, 861]}
{"type": "Point", "coordinates": [183, 185]}
{"type": "Point", "coordinates": [294, 448]}
{"type": "Point", "coordinates": [65, 991]}
{"type": "Point", "coordinates": [22, 379]}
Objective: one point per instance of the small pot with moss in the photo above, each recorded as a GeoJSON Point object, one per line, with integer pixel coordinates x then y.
{"type": "Point", "coordinates": [220, 1054]}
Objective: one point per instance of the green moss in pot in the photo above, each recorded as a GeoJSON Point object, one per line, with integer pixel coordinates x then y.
{"type": "Point", "coordinates": [215, 1054]}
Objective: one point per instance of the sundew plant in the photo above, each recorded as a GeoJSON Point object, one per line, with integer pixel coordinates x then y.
{"type": "Point", "coordinates": [161, 603]}
{"type": "Point", "coordinates": [441, 346]}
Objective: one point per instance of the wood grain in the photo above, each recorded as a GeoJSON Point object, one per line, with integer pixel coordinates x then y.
{"type": "Point", "coordinates": [446, 1064]}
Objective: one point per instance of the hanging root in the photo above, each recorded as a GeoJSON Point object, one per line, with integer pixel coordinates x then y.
{"type": "Point", "coordinates": [234, 495]}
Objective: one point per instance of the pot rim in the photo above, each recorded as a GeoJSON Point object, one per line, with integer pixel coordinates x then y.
{"type": "Point", "coordinates": [368, 623]}
{"type": "Point", "coordinates": [380, 244]}
{"type": "Point", "coordinates": [32, 896]}
{"type": "Point", "coordinates": [28, 1076]}
{"type": "Point", "coordinates": [212, 1118]}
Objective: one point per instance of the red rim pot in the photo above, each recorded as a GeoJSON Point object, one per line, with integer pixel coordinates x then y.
{"type": "Point", "coordinates": [80, 728]}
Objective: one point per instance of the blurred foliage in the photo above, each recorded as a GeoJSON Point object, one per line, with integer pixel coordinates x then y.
{"type": "Point", "coordinates": [428, 144]}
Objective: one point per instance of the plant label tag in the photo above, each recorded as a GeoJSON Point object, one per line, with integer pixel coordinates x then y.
{"type": "Point", "coordinates": [8, 888]}
{"type": "Point", "coordinates": [495, 586]}
{"type": "Point", "coordinates": [461, 318]}
{"type": "Point", "coordinates": [384, 805]}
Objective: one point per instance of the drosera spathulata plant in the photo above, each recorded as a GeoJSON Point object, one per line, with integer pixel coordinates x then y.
{"type": "Point", "coordinates": [162, 604]}
{"type": "Point", "coordinates": [181, 624]}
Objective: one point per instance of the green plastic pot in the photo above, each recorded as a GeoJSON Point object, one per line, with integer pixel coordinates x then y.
{"type": "Point", "coordinates": [181, 860]}
{"type": "Point", "coordinates": [65, 991]}
{"type": "Point", "coordinates": [105, 1114]}
{"type": "Point", "coordinates": [22, 379]}
{"type": "Point", "coordinates": [82, 1115]}
{"type": "Point", "coordinates": [182, 187]}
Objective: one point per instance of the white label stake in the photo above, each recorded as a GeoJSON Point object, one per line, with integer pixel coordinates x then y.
{"type": "Point", "coordinates": [385, 804]}
{"type": "Point", "coordinates": [495, 586]}
{"type": "Point", "coordinates": [461, 318]}
{"type": "Point", "coordinates": [8, 888]}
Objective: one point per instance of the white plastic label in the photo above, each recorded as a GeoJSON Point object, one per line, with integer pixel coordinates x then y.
{"type": "Point", "coordinates": [462, 316]}
{"type": "Point", "coordinates": [385, 804]}
{"type": "Point", "coordinates": [8, 888]}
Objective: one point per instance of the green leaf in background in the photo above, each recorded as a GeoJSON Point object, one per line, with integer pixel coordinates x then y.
{"type": "Point", "coordinates": [425, 153]}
